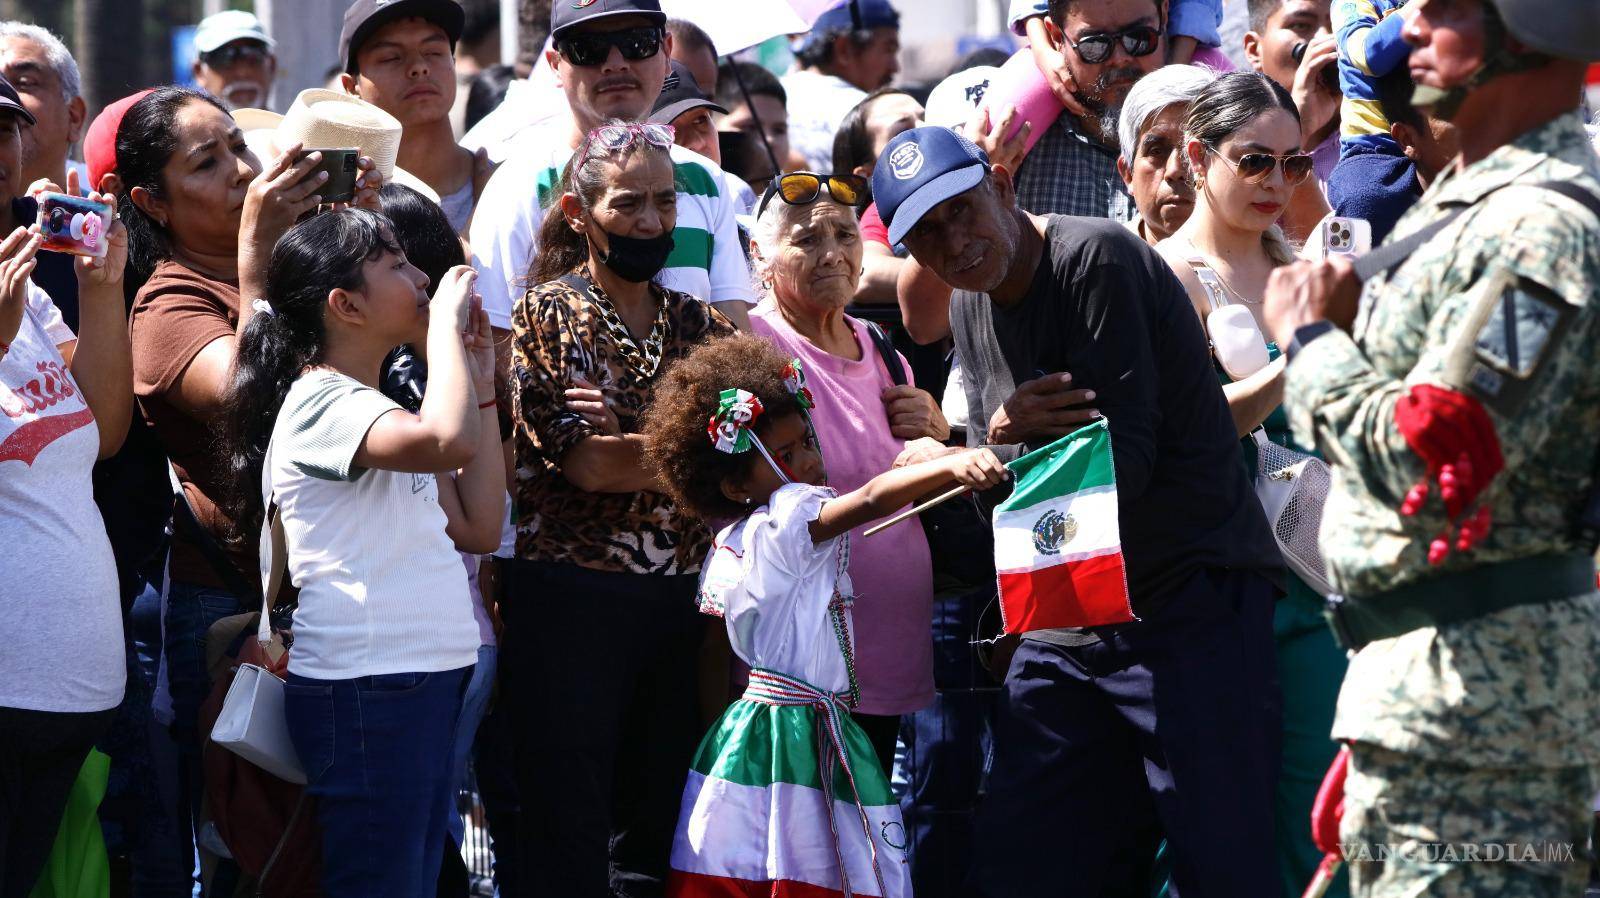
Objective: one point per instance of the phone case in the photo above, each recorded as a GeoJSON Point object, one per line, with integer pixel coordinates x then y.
{"type": "Point", "coordinates": [72, 224]}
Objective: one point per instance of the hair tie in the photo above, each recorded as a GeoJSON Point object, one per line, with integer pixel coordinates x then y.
{"type": "Point", "coordinates": [262, 306]}
{"type": "Point", "coordinates": [730, 429]}
{"type": "Point", "coordinates": [794, 377]}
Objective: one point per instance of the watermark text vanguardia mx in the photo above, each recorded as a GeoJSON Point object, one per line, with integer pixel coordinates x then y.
{"type": "Point", "coordinates": [1461, 852]}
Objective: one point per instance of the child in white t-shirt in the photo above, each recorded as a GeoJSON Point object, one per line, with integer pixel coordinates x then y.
{"type": "Point", "coordinates": [375, 502]}
{"type": "Point", "coordinates": [729, 430]}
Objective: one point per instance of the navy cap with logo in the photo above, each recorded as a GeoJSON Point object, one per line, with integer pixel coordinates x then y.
{"type": "Point", "coordinates": [366, 16]}
{"type": "Point", "coordinates": [11, 102]}
{"type": "Point", "coordinates": [679, 94]}
{"type": "Point", "coordinates": [920, 169]}
{"type": "Point", "coordinates": [568, 14]}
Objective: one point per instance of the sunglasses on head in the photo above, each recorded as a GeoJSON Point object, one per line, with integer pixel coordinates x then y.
{"type": "Point", "coordinates": [1140, 40]}
{"type": "Point", "coordinates": [591, 48]}
{"type": "Point", "coordinates": [1253, 168]}
{"type": "Point", "coordinates": [610, 139]}
{"type": "Point", "coordinates": [801, 187]}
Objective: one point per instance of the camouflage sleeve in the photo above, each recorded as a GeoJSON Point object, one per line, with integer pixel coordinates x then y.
{"type": "Point", "coordinates": [1513, 327]}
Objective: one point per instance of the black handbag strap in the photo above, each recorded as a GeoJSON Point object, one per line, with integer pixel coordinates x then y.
{"type": "Point", "coordinates": [188, 526]}
{"type": "Point", "coordinates": [1387, 258]}
{"type": "Point", "coordinates": [887, 352]}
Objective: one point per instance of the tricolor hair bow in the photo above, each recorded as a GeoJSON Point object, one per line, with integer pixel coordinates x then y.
{"type": "Point", "coordinates": [731, 429]}
{"type": "Point", "coordinates": [794, 377]}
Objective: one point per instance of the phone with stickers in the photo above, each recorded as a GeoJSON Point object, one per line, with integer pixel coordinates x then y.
{"type": "Point", "coordinates": [72, 224]}
{"type": "Point", "coordinates": [1346, 236]}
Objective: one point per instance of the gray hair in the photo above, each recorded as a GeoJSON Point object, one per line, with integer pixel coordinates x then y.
{"type": "Point", "coordinates": [764, 234]}
{"type": "Point", "coordinates": [1153, 93]}
{"type": "Point", "coordinates": [55, 53]}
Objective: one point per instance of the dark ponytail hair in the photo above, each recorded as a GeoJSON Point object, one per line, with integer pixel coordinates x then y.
{"type": "Point", "coordinates": [146, 139]}
{"type": "Point", "coordinates": [319, 255]}
{"type": "Point", "coordinates": [561, 249]}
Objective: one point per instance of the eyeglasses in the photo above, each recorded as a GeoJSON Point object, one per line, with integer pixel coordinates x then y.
{"type": "Point", "coordinates": [1253, 168]}
{"type": "Point", "coordinates": [591, 48]}
{"type": "Point", "coordinates": [232, 54]}
{"type": "Point", "coordinates": [1140, 40]}
{"type": "Point", "coordinates": [610, 139]}
{"type": "Point", "coordinates": [802, 187]}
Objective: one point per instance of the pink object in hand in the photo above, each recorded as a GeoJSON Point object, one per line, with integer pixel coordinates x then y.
{"type": "Point", "coordinates": [1021, 84]}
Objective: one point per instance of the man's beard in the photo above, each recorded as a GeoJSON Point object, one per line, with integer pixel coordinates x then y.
{"type": "Point", "coordinates": [234, 89]}
{"type": "Point", "coordinates": [1107, 114]}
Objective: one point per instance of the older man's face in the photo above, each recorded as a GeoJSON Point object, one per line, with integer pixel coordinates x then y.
{"type": "Point", "coordinates": [239, 73]}
{"type": "Point", "coordinates": [1159, 177]}
{"type": "Point", "coordinates": [60, 120]}
{"type": "Point", "coordinates": [970, 240]}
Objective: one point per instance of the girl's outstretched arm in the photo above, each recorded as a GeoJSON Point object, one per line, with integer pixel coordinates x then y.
{"type": "Point", "coordinates": [893, 490]}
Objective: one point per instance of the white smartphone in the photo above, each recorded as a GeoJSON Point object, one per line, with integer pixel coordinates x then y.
{"type": "Point", "coordinates": [1346, 236]}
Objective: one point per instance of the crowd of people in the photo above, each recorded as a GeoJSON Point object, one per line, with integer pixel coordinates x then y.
{"type": "Point", "coordinates": [555, 424]}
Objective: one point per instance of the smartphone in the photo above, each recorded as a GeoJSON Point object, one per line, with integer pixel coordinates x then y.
{"type": "Point", "coordinates": [340, 164]}
{"type": "Point", "coordinates": [1346, 236]}
{"type": "Point", "coordinates": [72, 224]}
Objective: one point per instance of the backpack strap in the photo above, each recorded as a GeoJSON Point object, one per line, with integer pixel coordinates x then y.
{"type": "Point", "coordinates": [887, 352]}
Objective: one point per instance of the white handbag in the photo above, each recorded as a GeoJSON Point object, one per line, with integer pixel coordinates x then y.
{"type": "Point", "coordinates": [1293, 487]}
{"type": "Point", "coordinates": [251, 723]}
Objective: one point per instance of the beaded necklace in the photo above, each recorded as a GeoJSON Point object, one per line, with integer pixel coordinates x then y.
{"type": "Point", "coordinates": [838, 610]}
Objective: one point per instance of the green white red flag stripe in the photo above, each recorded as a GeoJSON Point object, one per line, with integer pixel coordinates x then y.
{"type": "Point", "coordinates": [1058, 547]}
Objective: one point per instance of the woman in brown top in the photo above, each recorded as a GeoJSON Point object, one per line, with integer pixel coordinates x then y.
{"type": "Point", "coordinates": [601, 628]}
{"type": "Point", "coordinates": [202, 218]}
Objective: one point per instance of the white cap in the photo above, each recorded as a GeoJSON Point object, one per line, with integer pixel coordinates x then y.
{"type": "Point", "coordinates": [952, 103]}
{"type": "Point", "coordinates": [226, 27]}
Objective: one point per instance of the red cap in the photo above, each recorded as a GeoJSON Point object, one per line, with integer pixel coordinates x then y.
{"type": "Point", "coordinates": [100, 141]}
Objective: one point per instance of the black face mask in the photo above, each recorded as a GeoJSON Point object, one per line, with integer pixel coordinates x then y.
{"type": "Point", "coordinates": [636, 259]}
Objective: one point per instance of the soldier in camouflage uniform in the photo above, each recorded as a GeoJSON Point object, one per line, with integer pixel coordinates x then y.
{"type": "Point", "coordinates": [1460, 410]}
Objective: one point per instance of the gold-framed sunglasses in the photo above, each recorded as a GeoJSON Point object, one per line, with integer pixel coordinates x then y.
{"type": "Point", "coordinates": [797, 188]}
{"type": "Point", "coordinates": [1253, 168]}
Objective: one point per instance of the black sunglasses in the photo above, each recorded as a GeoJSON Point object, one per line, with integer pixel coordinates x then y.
{"type": "Point", "coordinates": [1253, 168]}
{"type": "Point", "coordinates": [243, 51]}
{"type": "Point", "coordinates": [801, 187]}
{"type": "Point", "coordinates": [592, 47]}
{"type": "Point", "coordinates": [1140, 40]}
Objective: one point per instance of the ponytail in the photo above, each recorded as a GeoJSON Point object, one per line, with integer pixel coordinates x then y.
{"type": "Point", "coordinates": [320, 255]}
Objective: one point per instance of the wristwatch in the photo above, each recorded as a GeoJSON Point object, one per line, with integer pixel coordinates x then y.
{"type": "Point", "coordinates": [1305, 334]}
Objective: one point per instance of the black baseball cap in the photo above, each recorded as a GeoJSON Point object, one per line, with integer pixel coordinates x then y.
{"type": "Point", "coordinates": [9, 100]}
{"type": "Point", "coordinates": [679, 94]}
{"type": "Point", "coordinates": [568, 14]}
{"type": "Point", "coordinates": [366, 16]}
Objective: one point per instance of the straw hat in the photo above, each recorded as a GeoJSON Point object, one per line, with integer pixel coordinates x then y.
{"type": "Point", "coordinates": [325, 119]}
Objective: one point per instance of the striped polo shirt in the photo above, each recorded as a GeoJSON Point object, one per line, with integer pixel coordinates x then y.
{"type": "Point", "coordinates": [707, 260]}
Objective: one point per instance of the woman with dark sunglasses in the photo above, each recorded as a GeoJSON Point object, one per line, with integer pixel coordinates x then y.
{"type": "Point", "coordinates": [1243, 148]}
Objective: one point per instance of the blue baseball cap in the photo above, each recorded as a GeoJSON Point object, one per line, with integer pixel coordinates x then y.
{"type": "Point", "coordinates": [874, 14]}
{"type": "Point", "coordinates": [920, 169]}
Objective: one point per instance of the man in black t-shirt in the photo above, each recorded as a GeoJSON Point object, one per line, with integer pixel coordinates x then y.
{"type": "Point", "coordinates": [1174, 717]}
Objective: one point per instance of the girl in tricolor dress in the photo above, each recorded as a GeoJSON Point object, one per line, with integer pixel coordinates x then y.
{"type": "Point", "coordinates": [785, 796]}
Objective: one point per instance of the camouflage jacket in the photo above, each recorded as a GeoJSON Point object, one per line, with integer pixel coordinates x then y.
{"type": "Point", "coordinates": [1518, 686]}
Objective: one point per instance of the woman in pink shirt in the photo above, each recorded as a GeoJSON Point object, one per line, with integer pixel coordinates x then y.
{"type": "Point", "coordinates": [808, 257]}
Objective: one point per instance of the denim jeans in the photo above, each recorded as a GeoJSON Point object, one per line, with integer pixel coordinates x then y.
{"type": "Point", "coordinates": [474, 704]}
{"type": "Point", "coordinates": [377, 752]}
{"type": "Point", "coordinates": [190, 612]}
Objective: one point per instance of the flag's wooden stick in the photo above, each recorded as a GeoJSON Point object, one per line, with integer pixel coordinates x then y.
{"type": "Point", "coordinates": [916, 509]}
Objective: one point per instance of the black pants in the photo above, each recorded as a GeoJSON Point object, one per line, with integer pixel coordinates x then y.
{"type": "Point", "coordinates": [598, 672]}
{"type": "Point", "coordinates": [1169, 725]}
{"type": "Point", "coordinates": [40, 754]}
{"type": "Point", "coordinates": [883, 731]}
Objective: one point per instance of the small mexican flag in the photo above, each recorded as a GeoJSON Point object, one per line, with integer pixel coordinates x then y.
{"type": "Point", "coordinates": [1057, 546]}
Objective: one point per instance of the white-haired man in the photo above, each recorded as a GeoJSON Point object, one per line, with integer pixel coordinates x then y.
{"type": "Point", "coordinates": [1150, 159]}
{"type": "Point", "coordinates": [46, 76]}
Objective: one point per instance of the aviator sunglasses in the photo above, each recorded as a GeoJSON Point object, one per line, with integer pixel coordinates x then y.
{"type": "Point", "coordinates": [1140, 40]}
{"type": "Point", "coordinates": [802, 187]}
{"type": "Point", "coordinates": [1253, 168]}
{"type": "Point", "coordinates": [592, 47]}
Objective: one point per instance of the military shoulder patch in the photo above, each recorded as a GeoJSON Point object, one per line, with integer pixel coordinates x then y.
{"type": "Point", "coordinates": [1512, 327]}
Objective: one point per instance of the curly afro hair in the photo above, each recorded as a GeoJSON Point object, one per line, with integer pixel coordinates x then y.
{"type": "Point", "coordinates": [685, 399]}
